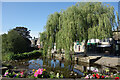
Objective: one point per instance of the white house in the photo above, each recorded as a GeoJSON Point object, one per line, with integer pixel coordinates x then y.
{"type": "Point", "coordinates": [79, 47]}
{"type": "Point", "coordinates": [93, 41]}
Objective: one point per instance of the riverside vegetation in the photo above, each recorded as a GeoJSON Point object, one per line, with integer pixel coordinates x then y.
{"type": "Point", "coordinates": [43, 73]}
{"type": "Point", "coordinates": [78, 22]}
{"type": "Point", "coordinates": [16, 45]}
{"type": "Point", "coordinates": [82, 21]}
{"type": "Point", "coordinates": [21, 56]}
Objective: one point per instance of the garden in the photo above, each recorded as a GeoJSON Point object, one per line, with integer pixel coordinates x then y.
{"type": "Point", "coordinates": [56, 69]}
{"type": "Point", "coordinates": [43, 73]}
{"type": "Point", "coordinates": [79, 22]}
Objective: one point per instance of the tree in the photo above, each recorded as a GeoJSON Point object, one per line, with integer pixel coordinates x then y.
{"type": "Point", "coordinates": [82, 21]}
{"type": "Point", "coordinates": [14, 42]}
{"type": "Point", "coordinates": [17, 43]}
{"type": "Point", "coordinates": [23, 32]}
{"type": "Point", "coordinates": [117, 23]}
{"type": "Point", "coordinates": [97, 18]}
{"type": "Point", "coordinates": [4, 43]}
{"type": "Point", "coordinates": [52, 27]}
{"type": "Point", "coordinates": [43, 40]}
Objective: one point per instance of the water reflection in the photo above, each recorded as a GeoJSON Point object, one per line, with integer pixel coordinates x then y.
{"type": "Point", "coordinates": [35, 64]}
{"type": "Point", "coordinates": [54, 65]}
{"type": "Point", "coordinates": [67, 68]}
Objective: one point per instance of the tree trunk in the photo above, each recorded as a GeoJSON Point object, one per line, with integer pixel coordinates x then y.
{"type": "Point", "coordinates": [85, 51]}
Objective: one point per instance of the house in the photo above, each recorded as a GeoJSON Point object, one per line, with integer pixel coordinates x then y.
{"type": "Point", "coordinates": [39, 44]}
{"type": "Point", "coordinates": [78, 47]}
{"type": "Point", "coordinates": [92, 45]}
{"type": "Point", "coordinates": [34, 42]}
{"type": "Point", "coordinates": [93, 41]}
{"type": "Point", "coordinates": [105, 45]}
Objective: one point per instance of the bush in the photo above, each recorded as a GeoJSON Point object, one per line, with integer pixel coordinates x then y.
{"type": "Point", "coordinates": [7, 56]}
{"type": "Point", "coordinates": [27, 55]}
{"type": "Point", "coordinates": [11, 56]}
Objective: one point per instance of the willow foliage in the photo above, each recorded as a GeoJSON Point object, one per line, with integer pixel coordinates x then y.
{"type": "Point", "coordinates": [82, 21]}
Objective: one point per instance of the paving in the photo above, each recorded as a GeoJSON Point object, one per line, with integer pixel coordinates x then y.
{"type": "Point", "coordinates": [106, 59]}
{"type": "Point", "coordinates": [109, 61]}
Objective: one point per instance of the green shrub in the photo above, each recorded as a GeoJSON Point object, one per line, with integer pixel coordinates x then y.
{"type": "Point", "coordinates": [11, 56]}
{"type": "Point", "coordinates": [27, 55]}
{"type": "Point", "coordinates": [7, 56]}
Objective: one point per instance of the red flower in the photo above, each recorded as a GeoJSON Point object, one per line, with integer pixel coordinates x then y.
{"type": "Point", "coordinates": [97, 75]}
{"type": "Point", "coordinates": [102, 77]}
{"type": "Point", "coordinates": [93, 75]}
{"type": "Point", "coordinates": [116, 78]}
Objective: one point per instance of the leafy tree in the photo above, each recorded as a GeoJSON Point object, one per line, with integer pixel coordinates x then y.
{"type": "Point", "coordinates": [43, 40]}
{"type": "Point", "coordinates": [4, 43]}
{"type": "Point", "coordinates": [14, 42]}
{"type": "Point", "coordinates": [82, 21]}
{"type": "Point", "coordinates": [23, 32]}
{"type": "Point", "coordinates": [17, 43]}
{"type": "Point", "coordinates": [96, 18]}
{"type": "Point", "coordinates": [117, 23]}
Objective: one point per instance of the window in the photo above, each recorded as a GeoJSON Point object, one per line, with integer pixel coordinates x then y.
{"type": "Point", "coordinates": [94, 40]}
{"type": "Point", "coordinates": [75, 47]}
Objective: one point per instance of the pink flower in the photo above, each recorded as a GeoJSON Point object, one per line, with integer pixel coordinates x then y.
{"type": "Point", "coordinates": [107, 76]}
{"type": "Point", "coordinates": [95, 70]}
{"type": "Point", "coordinates": [21, 73]}
{"type": "Point", "coordinates": [87, 77]}
{"type": "Point", "coordinates": [35, 74]}
{"type": "Point", "coordinates": [40, 71]}
{"type": "Point", "coordinates": [5, 73]}
{"type": "Point", "coordinates": [91, 77]}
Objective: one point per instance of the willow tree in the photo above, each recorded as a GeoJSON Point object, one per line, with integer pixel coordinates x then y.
{"type": "Point", "coordinates": [117, 23]}
{"type": "Point", "coordinates": [52, 27]}
{"type": "Point", "coordinates": [68, 31]}
{"type": "Point", "coordinates": [43, 40]}
{"type": "Point", "coordinates": [96, 20]}
{"type": "Point", "coordinates": [82, 21]}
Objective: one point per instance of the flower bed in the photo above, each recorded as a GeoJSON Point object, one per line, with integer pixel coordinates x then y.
{"type": "Point", "coordinates": [102, 76]}
{"type": "Point", "coordinates": [106, 75]}
{"type": "Point", "coordinates": [43, 73]}
{"type": "Point", "coordinates": [40, 73]}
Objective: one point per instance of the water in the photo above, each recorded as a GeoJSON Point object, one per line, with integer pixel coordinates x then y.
{"type": "Point", "coordinates": [57, 66]}
{"type": "Point", "coordinates": [67, 68]}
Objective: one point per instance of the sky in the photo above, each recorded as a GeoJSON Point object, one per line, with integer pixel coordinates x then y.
{"type": "Point", "coordinates": [32, 15]}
